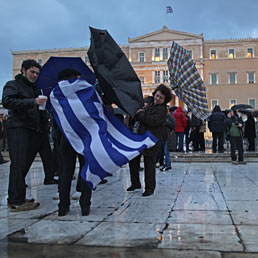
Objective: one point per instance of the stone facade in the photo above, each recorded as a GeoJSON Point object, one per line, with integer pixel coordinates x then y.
{"type": "Point", "coordinates": [228, 67]}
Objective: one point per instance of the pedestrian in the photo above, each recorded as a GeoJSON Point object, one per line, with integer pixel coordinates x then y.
{"type": "Point", "coordinates": [195, 132]}
{"type": "Point", "coordinates": [152, 117]}
{"type": "Point", "coordinates": [187, 130]}
{"type": "Point", "coordinates": [217, 127]}
{"type": "Point", "coordinates": [68, 162]}
{"type": "Point", "coordinates": [180, 128]}
{"type": "Point", "coordinates": [250, 132]}
{"type": "Point", "coordinates": [2, 161]}
{"type": "Point", "coordinates": [234, 127]}
{"type": "Point", "coordinates": [170, 126]}
{"type": "Point", "coordinates": [25, 128]}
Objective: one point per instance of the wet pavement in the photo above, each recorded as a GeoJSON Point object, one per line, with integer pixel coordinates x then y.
{"type": "Point", "coordinates": [198, 210]}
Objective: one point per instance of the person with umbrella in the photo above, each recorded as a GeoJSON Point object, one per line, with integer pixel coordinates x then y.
{"type": "Point", "coordinates": [250, 132]}
{"type": "Point", "coordinates": [152, 117]}
{"type": "Point", "coordinates": [234, 126]}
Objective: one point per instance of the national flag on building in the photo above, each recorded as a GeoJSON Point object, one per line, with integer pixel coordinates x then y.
{"type": "Point", "coordinates": [169, 9]}
{"type": "Point", "coordinates": [105, 142]}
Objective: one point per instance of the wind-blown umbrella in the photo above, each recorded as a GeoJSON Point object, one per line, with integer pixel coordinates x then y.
{"type": "Point", "coordinates": [114, 72]}
{"type": "Point", "coordinates": [48, 76]}
{"type": "Point", "coordinates": [240, 106]}
{"type": "Point", "coordinates": [186, 81]}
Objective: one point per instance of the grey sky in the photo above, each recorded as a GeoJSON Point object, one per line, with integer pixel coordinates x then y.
{"type": "Point", "coordinates": [46, 24]}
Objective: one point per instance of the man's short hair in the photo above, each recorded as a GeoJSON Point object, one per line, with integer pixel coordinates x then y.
{"type": "Point", "coordinates": [68, 73]}
{"type": "Point", "coordinates": [27, 64]}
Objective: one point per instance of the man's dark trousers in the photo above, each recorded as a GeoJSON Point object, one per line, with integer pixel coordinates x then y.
{"type": "Point", "coordinates": [68, 159]}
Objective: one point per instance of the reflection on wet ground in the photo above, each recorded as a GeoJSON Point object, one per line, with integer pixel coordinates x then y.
{"type": "Point", "coordinates": [198, 210]}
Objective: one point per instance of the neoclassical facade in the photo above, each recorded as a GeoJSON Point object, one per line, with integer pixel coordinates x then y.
{"type": "Point", "coordinates": [228, 67]}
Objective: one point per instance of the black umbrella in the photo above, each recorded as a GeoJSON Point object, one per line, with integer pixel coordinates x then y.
{"type": "Point", "coordinates": [255, 113]}
{"type": "Point", "coordinates": [240, 106]}
{"type": "Point", "coordinates": [245, 111]}
{"type": "Point", "coordinates": [114, 72]}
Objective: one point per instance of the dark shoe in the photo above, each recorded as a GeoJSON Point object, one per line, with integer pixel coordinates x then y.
{"type": "Point", "coordinates": [50, 182]}
{"type": "Point", "coordinates": [27, 206]}
{"type": "Point", "coordinates": [132, 188]}
{"type": "Point", "coordinates": [234, 162]}
{"type": "Point", "coordinates": [221, 151]}
{"type": "Point", "coordinates": [4, 161]}
{"type": "Point", "coordinates": [147, 193]}
{"type": "Point", "coordinates": [62, 211]}
{"type": "Point", "coordinates": [103, 181]}
{"type": "Point", "coordinates": [85, 211]}
{"type": "Point", "coordinates": [242, 162]}
{"type": "Point", "coordinates": [165, 168]}
{"type": "Point", "coordinates": [141, 169]}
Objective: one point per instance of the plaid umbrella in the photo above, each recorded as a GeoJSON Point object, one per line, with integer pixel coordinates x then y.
{"type": "Point", "coordinates": [186, 81]}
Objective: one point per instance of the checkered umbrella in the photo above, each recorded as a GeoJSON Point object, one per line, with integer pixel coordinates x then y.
{"type": "Point", "coordinates": [186, 81]}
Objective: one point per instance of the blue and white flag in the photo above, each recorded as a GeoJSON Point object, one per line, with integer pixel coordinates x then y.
{"type": "Point", "coordinates": [105, 142]}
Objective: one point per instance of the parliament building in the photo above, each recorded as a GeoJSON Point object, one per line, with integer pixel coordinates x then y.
{"type": "Point", "coordinates": [228, 66]}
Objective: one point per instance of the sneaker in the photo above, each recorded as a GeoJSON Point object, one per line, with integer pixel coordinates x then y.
{"type": "Point", "coordinates": [132, 188]}
{"type": "Point", "coordinates": [26, 200]}
{"type": "Point", "coordinates": [242, 162]}
{"type": "Point", "coordinates": [165, 168]}
{"type": "Point", "coordinates": [234, 162]}
{"type": "Point", "coordinates": [27, 206]}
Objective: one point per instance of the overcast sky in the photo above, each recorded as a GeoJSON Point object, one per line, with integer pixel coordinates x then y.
{"type": "Point", "coordinates": [46, 24]}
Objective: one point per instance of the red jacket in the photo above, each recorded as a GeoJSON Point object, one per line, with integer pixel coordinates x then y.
{"type": "Point", "coordinates": [180, 120]}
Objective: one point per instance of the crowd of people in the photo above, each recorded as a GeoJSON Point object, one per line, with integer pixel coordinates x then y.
{"type": "Point", "coordinates": [28, 127]}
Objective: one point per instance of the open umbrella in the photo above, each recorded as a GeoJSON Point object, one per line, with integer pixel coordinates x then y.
{"type": "Point", "coordinates": [240, 106]}
{"type": "Point", "coordinates": [186, 81]}
{"type": "Point", "coordinates": [114, 72]}
{"type": "Point", "coordinates": [48, 76]}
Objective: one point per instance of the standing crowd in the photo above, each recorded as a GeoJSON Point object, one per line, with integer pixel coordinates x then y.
{"type": "Point", "coordinates": [28, 135]}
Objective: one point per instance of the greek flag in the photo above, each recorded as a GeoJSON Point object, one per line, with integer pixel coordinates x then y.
{"type": "Point", "coordinates": [105, 142]}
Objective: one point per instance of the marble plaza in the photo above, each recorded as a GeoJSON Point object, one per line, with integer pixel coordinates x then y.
{"type": "Point", "coordinates": [198, 210]}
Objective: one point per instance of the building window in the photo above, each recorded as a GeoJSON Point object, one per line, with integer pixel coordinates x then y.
{"type": "Point", "coordinates": [157, 77]}
{"type": "Point", "coordinates": [40, 61]}
{"type": "Point", "coordinates": [250, 77]}
{"type": "Point", "coordinates": [214, 102]}
{"type": "Point", "coordinates": [232, 78]}
{"type": "Point", "coordinates": [213, 54]}
{"type": "Point", "coordinates": [165, 76]}
{"type": "Point", "coordinates": [157, 55]}
{"type": "Point", "coordinates": [252, 103]}
{"type": "Point", "coordinates": [141, 57]}
{"type": "Point", "coordinates": [250, 52]}
{"type": "Point", "coordinates": [231, 53]}
{"type": "Point", "coordinates": [142, 80]}
{"type": "Point", "coordinates": [213, 78]}
{"type": "Point", "coordinates": [86, 59]}
{"type": "Point", "coordinates": [232, 102]}
{"type": "Point", "coordinates": [190, 53]}
{"type": "Point", "coordinates": [165, 54]}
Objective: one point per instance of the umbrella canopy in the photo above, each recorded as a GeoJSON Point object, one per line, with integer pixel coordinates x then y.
{"type": "Point", "coordinates": [240, 106]}
{"type": "Point", "coordinates": [245, 111]}
{"type": "Point", "coordinates": [186, 81]}
{"type": "Point", "coordinates": [114, 72]}
{"type": "Point", "coordinates": [48, 76]}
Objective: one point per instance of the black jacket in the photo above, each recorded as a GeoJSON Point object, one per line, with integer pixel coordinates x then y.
{"type": "Point", "coordinates": [216, 120]}
{"type": "Point", "coordinates": [19, 98]}
{"type": "Point", "coordinates": [153, 118]}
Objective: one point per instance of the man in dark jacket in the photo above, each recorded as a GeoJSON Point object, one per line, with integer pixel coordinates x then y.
{"type": "Point", "coordinates": [26, 129]}
{"type": "Point", "coordinates": [217, 127]}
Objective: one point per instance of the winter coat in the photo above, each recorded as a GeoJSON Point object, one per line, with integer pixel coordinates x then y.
{"type": "Point", "coordinates": [250, 128]}
{"type": "Point", "coordinates": [153, 119]}
{"type": "Point", "coordinates": [216, 120]}
{"type": "Point", "coordinates": [236, 120]}
{"type": "Point", "coordinates": [19, 97]}
{"type": "Point", "coordinates": [180, 120]}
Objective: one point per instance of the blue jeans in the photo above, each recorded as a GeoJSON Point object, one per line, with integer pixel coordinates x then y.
{"type": "Point", "coordinates": [180, 140]}
{"type": "Point", "coordinates": [167, 154]}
